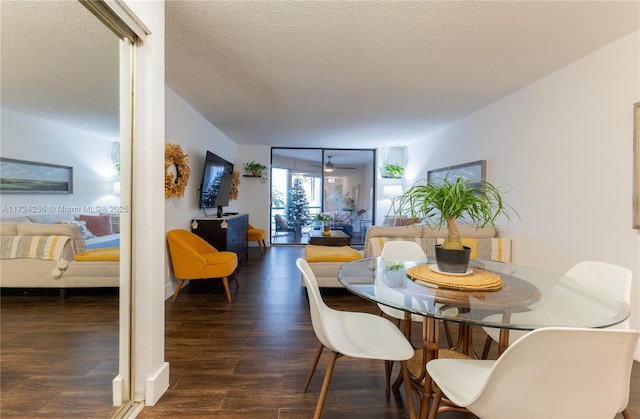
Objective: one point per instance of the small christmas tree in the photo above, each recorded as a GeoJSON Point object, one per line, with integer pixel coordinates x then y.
{"type": "Point", "coordinates": [298, 206]}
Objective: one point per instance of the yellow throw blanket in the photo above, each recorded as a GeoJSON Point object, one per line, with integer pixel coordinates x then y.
{"type": "Point", "coordinates": [36, 247]}
{"type": "Point", "coordinates": [103, 254]}
{"type": "Point", "coordinates": [331, 253]}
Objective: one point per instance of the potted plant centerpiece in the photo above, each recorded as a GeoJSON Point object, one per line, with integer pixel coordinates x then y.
{"type": "Point", "coordinates": [325, 219]}
{"type": "Point", "coordinates": [479, 203]}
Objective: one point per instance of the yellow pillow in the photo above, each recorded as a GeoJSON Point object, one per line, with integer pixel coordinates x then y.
{"type": "Point", "coordinates": [104, 254]}
{"type": "Point", "coordinates": [331, 253]}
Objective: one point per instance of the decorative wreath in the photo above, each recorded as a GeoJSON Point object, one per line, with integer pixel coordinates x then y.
{"type": "Point", "coordinates": [175, 183]}
{"type": "Point", "coordinates": [235, 181]}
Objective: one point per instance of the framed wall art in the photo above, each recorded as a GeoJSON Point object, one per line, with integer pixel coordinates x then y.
{"type": "Point", "coordinates": [636, 165]}
{"type": "Point", "coordinates": [475, 170]}
{"type": "Point", "coordinates": [28, 177]}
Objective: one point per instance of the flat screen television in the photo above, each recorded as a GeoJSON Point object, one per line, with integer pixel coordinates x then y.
{"type": "Point", "coordinates": [216, 183]}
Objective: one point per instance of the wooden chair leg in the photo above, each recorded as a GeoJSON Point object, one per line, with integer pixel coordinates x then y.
{"type": "Point", "coordinates": [235, 278]}
{"type": "Point", "coordinates": [435, 404]}
{"type": "Point", "coordinates": [264, 247]}
{"type": "Point", "coordinates": [407, 389]}
{"type": "Point", "coordinates": [388, 369]}
{"type": "Point", "coordinates": [313, 367]}
{"type": "Point", "coordinates": [325, 385]}
{"type": "Point", "coordinates": [447, 332]}
{"type": "Point", "coordinates": [178, 289]}
{"type": "Point", "coordinates": [487, 347]}
{"type": "Point", "coordinates": [626, 414]}
{"type": "Point", "coordinates": [225, 282]}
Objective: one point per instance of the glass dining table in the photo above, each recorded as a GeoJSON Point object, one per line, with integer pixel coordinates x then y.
{"type": "Point", "coordinates": [489, 294]}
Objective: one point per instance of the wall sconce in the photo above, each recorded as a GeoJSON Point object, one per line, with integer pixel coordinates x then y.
{"type": "Point", "coordinates": [116, 187]}
{"type": "Point", "coordinates": [331, 180]}
{"type": "Point", "coordinates": [392, 191]}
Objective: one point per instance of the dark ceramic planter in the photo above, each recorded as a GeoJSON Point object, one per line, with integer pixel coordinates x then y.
{"type": "Point", "coordinates": [453, 261]}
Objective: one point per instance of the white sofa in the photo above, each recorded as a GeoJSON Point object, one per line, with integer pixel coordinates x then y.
{"type": "Point", "coordinates": [46, 267]}
{"type": "Point", "coordinates": [484, 244]}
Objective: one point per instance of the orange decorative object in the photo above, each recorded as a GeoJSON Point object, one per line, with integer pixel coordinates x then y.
{"type": "Point", "coordinates": [235, 181]}
{"type": "Point", "coordinates": [175, 183]}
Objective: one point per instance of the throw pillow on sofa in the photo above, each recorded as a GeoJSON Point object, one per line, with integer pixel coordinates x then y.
{"type": "Point", "coordinates": [99, 225]}
{"type": "Point", "coordinates": [84, 230]}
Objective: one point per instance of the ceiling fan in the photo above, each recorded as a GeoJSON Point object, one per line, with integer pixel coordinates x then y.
{"type": "Point", "coordinates": [329, 166]}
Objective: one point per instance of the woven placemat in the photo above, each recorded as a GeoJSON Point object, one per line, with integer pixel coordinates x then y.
{"type": "Point", "coordinates": [479, 280]}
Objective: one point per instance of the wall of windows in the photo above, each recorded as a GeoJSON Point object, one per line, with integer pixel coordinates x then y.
{"type": "Point", "coordinates": [337, 181]}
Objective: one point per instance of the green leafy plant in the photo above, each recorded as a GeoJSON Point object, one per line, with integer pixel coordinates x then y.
{"type": "Point", "coordinates": [256, 169]}
{"type": "Point", "coordinates": [277, 198]}
{"type": "Point", "coordinates": [393, 266]}
{"type": "Point", "coordinates": [477, 202]}
{"type": "Point", "coordinates": [393, 170]}
{"type": "Point", "coordinates": [323, 217]}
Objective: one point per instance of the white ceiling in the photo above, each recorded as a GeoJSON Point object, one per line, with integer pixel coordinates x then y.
{"type": "Point", "coordinates": [312, 73]}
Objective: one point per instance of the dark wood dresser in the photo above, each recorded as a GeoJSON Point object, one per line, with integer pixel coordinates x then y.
{"type": "Point", "coordinates": [226, 233]}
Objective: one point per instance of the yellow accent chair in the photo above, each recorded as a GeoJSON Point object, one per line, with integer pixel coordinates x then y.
{"type": "Point", "coordinates": [257, 235]}
{"type": "Point", "coordinates": [193, 258]}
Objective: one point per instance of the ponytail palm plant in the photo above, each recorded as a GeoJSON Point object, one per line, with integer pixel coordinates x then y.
{"type": "Point", "coordinates": [476, 202]}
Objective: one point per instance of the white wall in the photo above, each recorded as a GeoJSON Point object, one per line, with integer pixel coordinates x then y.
{"type": "Point", "coordinates": [563, 146]}
{"type": "Point", "coordinates": [196, 135]}
{"type": "Point", "coordinates": [254, 196]}
{"type": "Point", "coordinates": [28, 138]}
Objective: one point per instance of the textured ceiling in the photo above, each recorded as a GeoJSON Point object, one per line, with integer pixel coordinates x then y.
{"type": "Point", "coordinates": [313, 73]}
{"type": "Point", "coordinates": [58, 62]}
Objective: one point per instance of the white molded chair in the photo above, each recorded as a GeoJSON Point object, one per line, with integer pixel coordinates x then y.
{"type": "Point", "coordinates": [548, 373]}
{"type": "Point", "coordinates": [358, 335]}
{"type": "Point", "coordinates": [614, 278]}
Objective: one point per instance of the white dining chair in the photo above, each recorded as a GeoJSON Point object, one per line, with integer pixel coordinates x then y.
{"type": "Point", "coordinates": [548, 373]}
{"type": "Point", "coordinates": [614, 278]}
{"type": "Point", "coordinates": [352, 334]}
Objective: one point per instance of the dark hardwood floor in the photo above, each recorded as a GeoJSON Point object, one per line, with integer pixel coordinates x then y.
{"type": "Point", "coordinates": [58, 357]}
{"type": "Point", "coordinates": [247, 359]}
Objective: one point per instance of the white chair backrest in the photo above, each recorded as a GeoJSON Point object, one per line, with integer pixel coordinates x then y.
{"type": "Point", "coordinates": [402, 251]}
{"type": "Point", "coordinates": [614, 278]}
{"type": "Point", "coordinates": [561, 373]}
{"type": "Point", "coordinates": [320, 312]}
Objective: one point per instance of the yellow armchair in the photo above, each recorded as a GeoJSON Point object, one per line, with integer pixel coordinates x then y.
{"type": "Point", "coordinates": [193, 258]}
{"type": "Point", "coordinates": [257, 235]}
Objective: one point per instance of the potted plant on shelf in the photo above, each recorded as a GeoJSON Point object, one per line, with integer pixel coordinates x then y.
{"type": "Point", "coordinates": [477, 202]}
{"type": "Point", "coordinates": [393, 171]}
{"type": "Point", "coordinates": [255, 169]}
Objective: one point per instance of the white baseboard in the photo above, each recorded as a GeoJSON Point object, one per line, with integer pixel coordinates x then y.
{"type": "Point", "coordinates": [169, 289]}
{"type": "Point", "coordinates": [156, 385]}
{"type": "Point", "coordinates": [118, 391]}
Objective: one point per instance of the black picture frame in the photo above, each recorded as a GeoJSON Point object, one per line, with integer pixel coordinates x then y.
{"type": "Point", "coordinates": [475, 171]}
{"type": "Point", "coordinates": [29, 177]}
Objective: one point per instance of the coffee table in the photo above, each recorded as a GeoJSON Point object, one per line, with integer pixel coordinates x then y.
{"type": "Point", "coordinates": [337, 238]}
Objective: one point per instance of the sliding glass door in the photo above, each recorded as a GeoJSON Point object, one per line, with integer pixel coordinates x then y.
{"type": "Point", "coordinates": [306, 182]}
